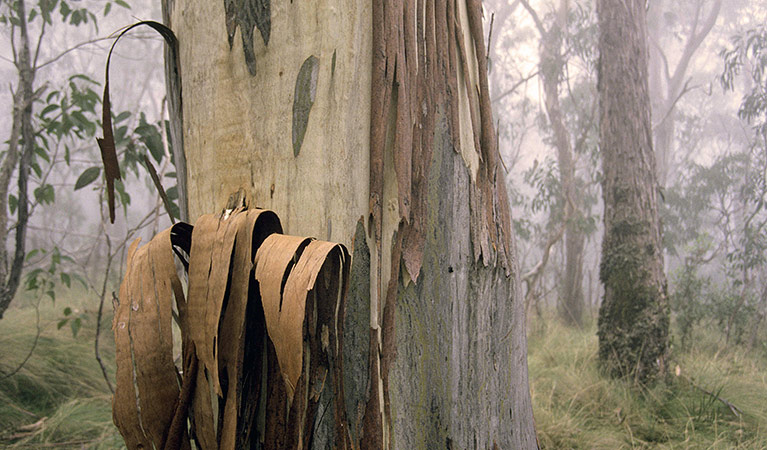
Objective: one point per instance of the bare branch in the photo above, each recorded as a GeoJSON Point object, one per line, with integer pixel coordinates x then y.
{"type": "Point", "coordinates": [516, 85]}
{"type": "Point", "coordinates": [534, 15]}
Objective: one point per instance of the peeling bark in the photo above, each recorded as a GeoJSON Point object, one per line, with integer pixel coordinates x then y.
{"type": "Point", "coordinates": [400, 135]}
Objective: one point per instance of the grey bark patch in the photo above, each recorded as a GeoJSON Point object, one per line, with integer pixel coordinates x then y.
{"type": "Point", "coordinates": [248, 15]}
{"type": "Point", "coordinates": [303, 99]}
{"type": "Point", "coordinates": [357, 333]}
{"type": "Point", "coordinates": [457, 377]}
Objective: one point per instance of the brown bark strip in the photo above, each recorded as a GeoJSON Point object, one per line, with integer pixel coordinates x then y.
{"type": "Point", "coordinates": [379, 95]}
{"type": "Point", "coordinates": [144, 410]}
{"type": "Point", "coordinates": [303, 284]}
{"type": "Point", "coordinates": [160, 189]}
{"type": "Point", "coordinates": [487, 139]}
{"type": "Point", "coordinates": [177, 434]}
{"type": "Point", "coordinates": [452, 77]}
{"type": "Point", "coordinates": [414, 71]}
{"type": "Point", "coordinates": [107, 143]}
{"type": "Point", "coordinates": [298, 334]}
{"type": "Point", "coordinates": [231, 325]}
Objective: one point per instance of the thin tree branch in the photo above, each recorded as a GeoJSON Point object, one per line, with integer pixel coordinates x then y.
{"type": "Point", "coordinates": [516, 85]}
{"type": "Point", "coordinates": [71, 49]}
{"type": "Point", "coordinates": [534, 16]}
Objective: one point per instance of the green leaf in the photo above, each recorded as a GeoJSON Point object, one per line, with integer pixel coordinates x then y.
{"type": "Point", "coordinates": [82, 76]}
{"type": "Point", "coordinates": [80, 279]}
{"type": "Point", "coordinates": [122, 116]}
{"type": "Point", "coordinates": [61, 323]}
{"type": "Point", "coordinates": [123, 4]}
{"type": "Point", "coordinates": [123, 195]}
{"type": "Point", "coordinates": [87, 177]}
{"type": "Point", "coordinates": [39, 151]}
{"type": "Point", "coordinates": [75, 325]}
{"type": "Point", "coordinates": [13, 203]}
{"type": "Point", "coordinates": [64, 9]}
{"type": "Point", "coordinates": [107, 8]}
{"type": "Point", "coordinates": [67, 311]}
{"type": "Point", "coordinates": [52, 295]}
{"type": "Point", "coordinates": [66, 279]}
{"type": "Point", "coordinates": [76, 19]}
{"type": "Point", "coordinates": [32, 15]}
{"type": "Point", "coordinates": [31, 254]}
{"type": "Point", "coordinates": [151, 138]}
{"type": "Point", "coordinates": [45, 194]}
{"type": "Point", "coordinates": [36, 168]}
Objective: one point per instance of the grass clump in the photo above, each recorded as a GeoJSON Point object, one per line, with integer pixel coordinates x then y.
{"type": "Point", "coordinates": [59, 396]}
{"type": "Point", "coordinates": [577, 406]}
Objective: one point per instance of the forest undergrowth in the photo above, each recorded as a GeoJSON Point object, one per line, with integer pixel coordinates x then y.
{"type": "Point", "coordinates": [713, 397]}
{"type": "Point", "coordinates": [59, 398]}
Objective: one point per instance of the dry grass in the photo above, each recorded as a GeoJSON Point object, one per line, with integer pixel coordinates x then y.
{"type": "Point", "coordinates": [577, 407]}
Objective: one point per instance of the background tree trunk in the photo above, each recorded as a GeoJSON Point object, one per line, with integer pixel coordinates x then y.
{"type": "Point", "coordinates": [634, 317]}
{"type": "Point", "coordinates": [407, 178]}
{"type": "Point", "coordinates": [552, 64]}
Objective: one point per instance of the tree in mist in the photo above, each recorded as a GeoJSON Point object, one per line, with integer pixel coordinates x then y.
{"type": "Point", "coordinates": [41, 119]}
{"type": "Point", "coordinates": [633, 318]}
{"type": "Point", "coordinates": [552, 63]}
{"type": "Point", "coordinates": [669, 78]}
{"type": "Point", "coordinates": [393, 153]}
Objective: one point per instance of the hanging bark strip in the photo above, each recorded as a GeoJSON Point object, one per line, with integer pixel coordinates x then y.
{"type": "Point", "coordinates": [146, 392]}
{"type": "Point", "coordinates": [228, 334]}
{"type": "Point", "coordinates": [107, 143]}
{"type": "Point", "coordinates": [418, 52]}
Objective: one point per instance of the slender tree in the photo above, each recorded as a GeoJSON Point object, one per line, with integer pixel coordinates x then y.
{"type": "Point", "coordinates": [551, 71]}
{"type": "Point", "coordinates": [634, 317]}
{"type": "Point", "coordinates": [369, 123]}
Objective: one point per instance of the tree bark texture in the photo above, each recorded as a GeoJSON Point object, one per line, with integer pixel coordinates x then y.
{"type": "Point", "coordinates": [634, 316]}
{"type": "Point", "coordinates": [391, 151]}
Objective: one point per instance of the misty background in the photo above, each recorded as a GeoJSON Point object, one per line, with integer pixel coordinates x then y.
{"type": "Point", "coordinates": [708, 123]}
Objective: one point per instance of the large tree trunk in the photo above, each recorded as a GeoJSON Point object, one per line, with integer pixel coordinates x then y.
{"type": "Point", "coordinates": [407, 178]}
{"type": "Point", "coordinates": [634, 317]}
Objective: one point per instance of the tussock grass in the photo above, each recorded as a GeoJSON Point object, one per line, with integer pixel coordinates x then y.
{"type": "Point", "coordinates": [59, 397]}
{"type": "Point", "coordinates": [576, 406]}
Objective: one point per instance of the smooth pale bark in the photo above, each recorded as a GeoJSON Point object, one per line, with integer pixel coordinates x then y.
{"type": "Point", "coordinates": [634, 316]}
{"type": "Point", "coordinates": [457, 371]}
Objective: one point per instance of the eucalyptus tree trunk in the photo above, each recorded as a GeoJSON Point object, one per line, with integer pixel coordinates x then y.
{"type": "Point", "coordinates": [552, 63]}
{"type": "Point", "coordinates": [349, 124]}
{"type": "Point", "coordinates": [634, 316]}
